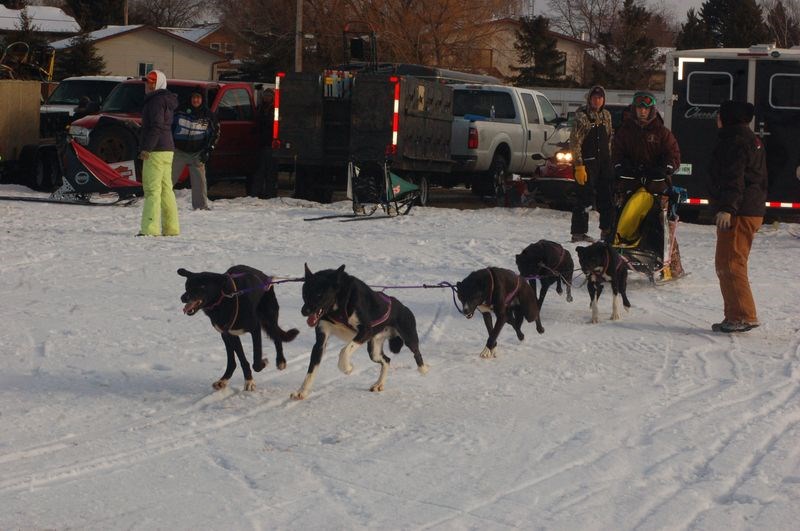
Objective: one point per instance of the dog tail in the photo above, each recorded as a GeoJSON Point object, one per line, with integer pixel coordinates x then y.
{"type": "Point", "coordinates": [277, 333]}
{"type": "Point", "coordinates": [395, 344]}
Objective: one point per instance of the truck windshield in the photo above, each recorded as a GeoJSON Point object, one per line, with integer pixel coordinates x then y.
{"type": "Point", "coordinates": [70, 91]}
{"type": "Point", "coordinates": [129, 97]}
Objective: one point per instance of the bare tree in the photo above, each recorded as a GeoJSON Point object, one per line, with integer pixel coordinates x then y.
{"type": "Point", "coordinates": [584, 19]}
{"type": "Point", "coordinates": [168, 13]}
{"type": "Point", "coordinates": [783, 21]}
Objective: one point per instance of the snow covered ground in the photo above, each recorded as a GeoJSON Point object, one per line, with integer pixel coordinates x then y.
{"type": "Point", "coordinates": [109, 420]}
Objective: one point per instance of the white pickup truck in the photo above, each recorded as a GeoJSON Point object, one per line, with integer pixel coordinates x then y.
{"type": "Point", "coordinates": [496, 131]}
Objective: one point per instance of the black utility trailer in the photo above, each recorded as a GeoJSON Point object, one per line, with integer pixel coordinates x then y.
{"type": "Point", "coordinates": [324, 121]}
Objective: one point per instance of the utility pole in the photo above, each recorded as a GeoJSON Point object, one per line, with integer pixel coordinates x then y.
{"type": "Point", "coordinates": [298, 38]}
{"type": "Point", "coordinates": [125, 12]}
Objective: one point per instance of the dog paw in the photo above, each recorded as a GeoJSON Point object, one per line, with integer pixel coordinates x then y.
{"type": "Point", "coordinates": [521, 336]}
{"type": "Point", "coordinates": [423, 369]}
{"type": "Point", "coordinates": [540, 329]}
{"type": "Point", "coordinates": [299, 395]}
{"type": "Point", "coordinates": [569, 298]}
{"type": "Point", "coordinates": [376, 388]}
{"type": "Point", "coordinates": [259, 366]}
{"type": "Point", "coordinates": [249, 385]}
{"type": "Point", "coordinates": [281, 365]}
{"type": "Point", "coordinates": [220, 384]}
{"type": "Point", "coordinates": [347, 369]}
{"type": "Point", "coordinates": [488, 353]}
{"type": "Point", "coordinates": [595, 320]}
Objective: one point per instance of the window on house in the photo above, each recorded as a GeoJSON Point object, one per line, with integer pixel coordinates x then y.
{"type": "Point", "coordinates": [561, 70]}
{"type": "Point", "coordinates": [144, 68]}
{"type": "Point", "coordinates": [215, 46]}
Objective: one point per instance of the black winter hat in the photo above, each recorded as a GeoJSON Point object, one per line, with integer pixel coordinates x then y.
{"type": "Point", "coordinates": [736, 112]}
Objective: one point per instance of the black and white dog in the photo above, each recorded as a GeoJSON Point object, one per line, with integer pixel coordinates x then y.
{"type": "Point", "coordinates": [238, 302]}
{"type": "Point", "coordinates": [551, 263]}
{"type": "Point", "coordinates": [503, 292]}
{"type": "Point", "coordinates": [339, 304]}
{"type": "Point", "coordinates": [601, 263]}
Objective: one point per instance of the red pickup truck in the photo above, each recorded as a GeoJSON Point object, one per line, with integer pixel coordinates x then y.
{"type": "Point", "coordinates": [113, 133]}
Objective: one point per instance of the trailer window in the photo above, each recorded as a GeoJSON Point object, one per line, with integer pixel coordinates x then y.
{"type": "Point", "coordinates": [482, 102]}
{"type": "Point", "coordinates": [708, 89]}
{"type": "Point", "coordinates": [784, 91]}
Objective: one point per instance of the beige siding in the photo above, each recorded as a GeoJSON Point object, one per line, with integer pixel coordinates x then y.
{"type": "Point", "coordinates": [178, 60]}
{"type": "Point", "coordinates": [19, 116]}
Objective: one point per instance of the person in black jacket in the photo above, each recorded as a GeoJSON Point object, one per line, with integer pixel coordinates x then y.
{"type": "Point", "coordinates": [160, 211]}
{"type": "Point", "coordinates": [739, 192]}
{"type": "Point", "coordinates": [195, 131]}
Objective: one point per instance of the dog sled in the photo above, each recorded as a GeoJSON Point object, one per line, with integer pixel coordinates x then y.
{"type": "Point", "coordinates": [372, 186]}
{"type": "Point", "coordinates": [90, 180]}
{"type": "Point", "coordinates": [647, 217]}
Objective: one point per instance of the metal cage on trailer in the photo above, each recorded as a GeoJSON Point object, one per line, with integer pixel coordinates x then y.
{"type": "Point", "coordinates": [697, 82]}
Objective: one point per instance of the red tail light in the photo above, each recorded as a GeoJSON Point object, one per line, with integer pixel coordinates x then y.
{"type": "Point", "coordinates": [472, 140]}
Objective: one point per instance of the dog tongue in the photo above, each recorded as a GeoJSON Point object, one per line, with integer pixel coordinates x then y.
{"type": "Point", "coordinates": [312, 320]}
{"type": "Point", "coordinates": [190, 307]}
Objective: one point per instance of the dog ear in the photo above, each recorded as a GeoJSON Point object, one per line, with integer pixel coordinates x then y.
{"type": "Point", "coordinates": [184, 273]}
{"type": "Point", "coordinates": [341, 269]}
{"type": "Point", "coordinates": [308, 272]}
{"type": "Point", "coordinates": [580, 251]}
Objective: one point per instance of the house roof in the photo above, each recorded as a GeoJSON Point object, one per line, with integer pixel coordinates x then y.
{"type": "Point", "coordinates": [46, 19]}
{"type": "Point", "coordinates": [110, 32]}
{"type": "Point", "coordinates": [195, 34]}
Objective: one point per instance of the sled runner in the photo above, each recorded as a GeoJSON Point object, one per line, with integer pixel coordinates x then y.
{"type": "Point", "coordinates": [645, 228]}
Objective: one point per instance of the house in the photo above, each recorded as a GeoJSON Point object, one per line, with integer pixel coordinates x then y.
{"type": "Point", "coordinates": [136, 49]}
{"type": "Point", "coordinates": [220, 38]}
{"type": "Point", "coordinates": [50, 22]}
{"type": "Point", "coordinates": [498, 59]}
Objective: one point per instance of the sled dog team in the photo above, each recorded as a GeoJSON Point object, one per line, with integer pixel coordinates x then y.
{"type": "Point", "coordinates": [242, 300]}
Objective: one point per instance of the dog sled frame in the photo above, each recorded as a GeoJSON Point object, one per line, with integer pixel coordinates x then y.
{"type": "Point", "coordinates": [372, 185]}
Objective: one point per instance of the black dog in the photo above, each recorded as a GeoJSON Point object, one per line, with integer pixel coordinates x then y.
{"type": "Point", "coordinates": [340, 304]}
{"type": "Point", "coordinates": [551, 263]}
{"type": "Point", "coordinates": [238, 301]}
{"type": "Point", "coordinates": [601, 263]}
{"type": "Point", "coordinates": [505, 293]}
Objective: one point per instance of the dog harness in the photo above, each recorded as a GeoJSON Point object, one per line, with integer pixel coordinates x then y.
{"type": "Point", "coordinates": [235, 295]}
{"type": "Point", "coordinates": [509, 297]}
{"type": "Point", "coordinates": [343, 320]}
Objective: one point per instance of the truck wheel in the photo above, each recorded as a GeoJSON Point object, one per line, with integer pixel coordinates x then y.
{"type": "Point", "coordinates": [46, 172]}
{"type": "Point", "coordinates": [424, 190]}
{"type": "Point", "coordinates": [113, 144]}
{"type": "Point", "coordinates": [498, 171]}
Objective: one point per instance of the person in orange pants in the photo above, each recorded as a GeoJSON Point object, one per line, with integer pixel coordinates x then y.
{"type": "Point", "coordinates": [739, 190]}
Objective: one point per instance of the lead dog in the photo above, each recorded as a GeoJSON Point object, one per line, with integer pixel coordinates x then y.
{"type": "Point", "coordinates": [237, 302]}
{"type": "Point", "coordinates": [550, 263]}
{"type": "Point", "coordinates": [506, 294]}
{"type": "Point", "coordinates": [339, 304]}
{"type": "Point", "coordinates": [601, 263]}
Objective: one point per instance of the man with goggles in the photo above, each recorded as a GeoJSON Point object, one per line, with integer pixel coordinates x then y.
{"type": "Point", "coordinates": [645, 154]}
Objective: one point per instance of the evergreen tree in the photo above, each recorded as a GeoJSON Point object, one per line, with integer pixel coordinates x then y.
{"type": "Point", "coordinates": [629, 55]}
{"type": "Point", "coordinates": [734, 23]}
{"type": "Point", "coordinates": [543, 64]}
{"type": "Point", "coordinates": [80, 59]}
{"type": "Point", "coordinates": [694, 33]}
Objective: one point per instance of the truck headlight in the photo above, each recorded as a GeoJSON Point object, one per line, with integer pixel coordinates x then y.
{"type": "Point", "coordinates": [564, 157]}
{"type": "Point", "coordinates": [80, 134]}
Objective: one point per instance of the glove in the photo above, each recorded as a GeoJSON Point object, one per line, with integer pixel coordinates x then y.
{"type": "Point", "coordinates": [723, 220]}
{"type": "Point", "coordinates": [204, 156]}
{"type": "Point", "coordinates": [144, 155]}
{"type": "Point", "coordinates": [580, 174]}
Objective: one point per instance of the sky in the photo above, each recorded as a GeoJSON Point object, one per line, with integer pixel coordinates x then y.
{"type": "Point", "coordinates": [109, 419]}
{"type": "Point", "coordinates": [678, 7]}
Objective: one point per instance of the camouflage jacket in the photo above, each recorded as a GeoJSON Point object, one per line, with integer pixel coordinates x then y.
{"type": "Point", "coordinates": [585, 121]}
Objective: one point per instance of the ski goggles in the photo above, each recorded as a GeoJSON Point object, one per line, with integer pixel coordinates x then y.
{"type": "Point", "coordinates": [643, 99]}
